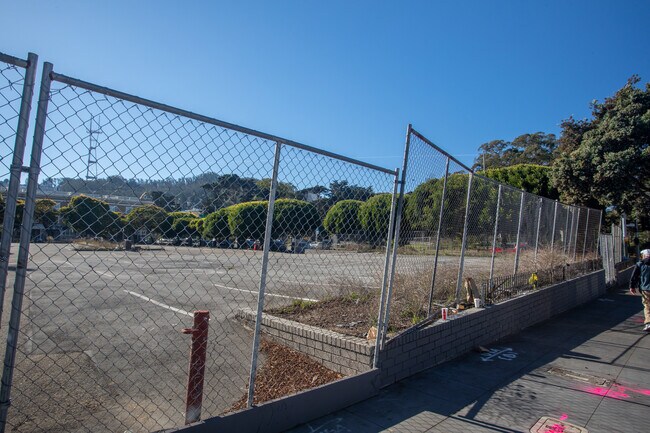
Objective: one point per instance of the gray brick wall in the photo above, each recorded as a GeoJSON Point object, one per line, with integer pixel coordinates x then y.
{"type": "Point", "coordinates": [413, 352]}
{"type": "Point", "coordinates": [341, 353]}
{"type": "Point", "coordinates": [420, 349]}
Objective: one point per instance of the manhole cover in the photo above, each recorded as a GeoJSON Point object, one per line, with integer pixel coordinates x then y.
{"type": "Point", "coordinates": [547, 424]}
{"type": "Point", "coordinates": [581, 377]}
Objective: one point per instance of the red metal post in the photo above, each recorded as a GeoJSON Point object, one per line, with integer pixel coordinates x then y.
{"type": "Point", "coordinates": [194, 398]}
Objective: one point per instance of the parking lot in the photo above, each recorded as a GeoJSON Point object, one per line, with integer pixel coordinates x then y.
{"type": "Point", "coordinates": [101, 333]}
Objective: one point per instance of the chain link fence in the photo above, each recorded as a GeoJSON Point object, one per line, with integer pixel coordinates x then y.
{"type": "Point", "coordinates": [465, 238]}
{"type": "Point", "coordinates": [154, 240]}
{"type": "Point", "coordinates": [147, 220]}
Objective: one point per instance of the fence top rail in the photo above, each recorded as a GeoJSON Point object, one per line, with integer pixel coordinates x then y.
{"type": "Point", "coordinates": [503, 185]}
{"type": "Point", "coordinates": [201, 118]}
{"type": "Point", "coordinates": [13, 60]}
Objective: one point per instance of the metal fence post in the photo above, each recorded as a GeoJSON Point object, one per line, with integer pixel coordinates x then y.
{"type": "Point", "coordinates": [575, 242]}
{"type": "Point", "coordinates": [521, 218]}
{"type": "Point", "coordinates": [584, 244]}
{"type": "Point", "coordinates": [398, 221]}
{"type": "Point", "coordinates": [571, 230]}
{"type": "Point", "coordinates": [196, 368]}
{"type": "Point", "coordinates": [265, 263]}
{"type": "Point", "coordinates": [566, 232]}
{"type": "Point", "coordinates": [600, 222]}
{"type": "Point", "coordinates": [23, 251]}
{"type": "Point", "coordinates": [459, 280]}
{"type": "Point", "coordinates": [553, 239]}
{"type": "Point", "coordinates": [384, 280]}
{"type": "Point", "coordinates": [540, 203]}
{"type": "Point", "coordinates": [435, 260]}
{"type": "Point", "coordinates": [15, 171]}
{"type": "Point", "coordinates": [494, 238]}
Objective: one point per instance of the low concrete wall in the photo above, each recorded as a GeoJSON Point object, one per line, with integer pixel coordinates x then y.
{"type": "Point", "coordinates": [285, 413]}
{"type": "Point", "coordinates": [413, 352]}
{"type": "Point", "coordinates": [402, 356]}
{"type": "Point", "coordinates": [341, 353]}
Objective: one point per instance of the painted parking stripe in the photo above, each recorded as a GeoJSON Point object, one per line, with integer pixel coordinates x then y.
{"type": "Point", "coordinates": [160, 304]}
{"type": "Point", "coordinates": [266, 294]}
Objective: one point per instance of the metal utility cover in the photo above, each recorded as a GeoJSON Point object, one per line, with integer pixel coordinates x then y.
{"type": "Point", "coordinates": [547, 424]}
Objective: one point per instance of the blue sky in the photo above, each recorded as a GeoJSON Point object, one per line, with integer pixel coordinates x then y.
{"type": "Point", "coordinates": [348, 76]}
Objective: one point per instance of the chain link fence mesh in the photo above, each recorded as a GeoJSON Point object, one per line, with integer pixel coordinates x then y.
{"type": "Point", "coordinates": [12, 80]}
{"type": "Point", "coordinates": [513, 241]}
{"type": "Point", "coordinates": [143, 217]}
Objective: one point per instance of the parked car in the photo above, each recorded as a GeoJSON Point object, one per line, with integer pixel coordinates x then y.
{"type": "Point", "coordinates": [298, 246]}
{"type": "Point", "coordinates": [278, 245]}
{"type": "Point", "coordinates": [321, 245]}
{"type": "Point", "coordinates": [226, 243]}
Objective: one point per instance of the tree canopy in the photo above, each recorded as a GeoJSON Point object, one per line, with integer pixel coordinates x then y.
{"type": "Point", "coordinates": [535, 179]}
{"type": "Point", "coordinates": [91, 217]}
{"type": "Point", "coordinates": [537, 148]}
{"type": "Point", "coordinates": [606, 160]}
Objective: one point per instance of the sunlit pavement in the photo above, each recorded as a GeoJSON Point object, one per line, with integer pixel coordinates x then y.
{"type": "Point", "coordinates": [587, 370]}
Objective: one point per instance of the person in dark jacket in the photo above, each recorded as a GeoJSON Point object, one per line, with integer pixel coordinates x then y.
{"type": "Point", "coordinates": [641, 280]}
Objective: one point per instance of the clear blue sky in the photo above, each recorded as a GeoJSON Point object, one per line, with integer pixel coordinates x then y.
{"type": "Point", "coordinates": [348, 76]}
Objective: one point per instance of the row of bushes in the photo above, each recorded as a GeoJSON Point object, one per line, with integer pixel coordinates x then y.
{"type": "Point", "coordinates": [91, 217]}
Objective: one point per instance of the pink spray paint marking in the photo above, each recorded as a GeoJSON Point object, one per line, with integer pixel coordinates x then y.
{"type": "Point", "coordinates": [618, 392]}
{"type": "Point", "coordinates": [555, 428]}
{"type": "Point", "coordinates": [564, 417]}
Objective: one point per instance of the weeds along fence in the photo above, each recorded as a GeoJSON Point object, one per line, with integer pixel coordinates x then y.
{"type": "Point", "coordinates": [146, 231]}
{"type": "Point", "coordinates": [463, 236]}
{"type": "Point", "coordinates": [179, 221]}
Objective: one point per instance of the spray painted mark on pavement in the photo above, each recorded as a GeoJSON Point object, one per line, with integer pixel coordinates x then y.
{"type": "Point", "coordinates": [502, 353]}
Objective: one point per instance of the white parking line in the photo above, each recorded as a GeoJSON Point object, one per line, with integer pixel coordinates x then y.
{"type": "Point", "coordinates": [267, 294]}
{"type": "Point", "coordinates": [160, 304]}
{"type": "Point", "coordinates": [307, 283]}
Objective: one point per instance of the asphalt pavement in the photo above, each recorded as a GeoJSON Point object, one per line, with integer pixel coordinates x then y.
{"type": "Point", "coordinates": [587, 370]}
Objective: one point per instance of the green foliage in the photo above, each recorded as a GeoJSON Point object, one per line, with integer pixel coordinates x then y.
{"type": "Point", "coordinates": [182, 227]}
{"type": "Point", "coordinates": [167, 228]}
{"type": "Point", "coordinates": [342, 190]}
{"type": "Point", "coordinates": [45, 213]}
{"type": "Point", "coordinates": [343, 217]}
{"type": "Point", "coordinates": [18, 218]}
{"type": "Point", "coordinates": [290, 218]}
{"type": "Point", "coordinates": [229, 189]}
{"type": "Point", "coordinates": [196, 226]}
{"type": "Point", "coordinates": [537, 148]}
{"type": "Point", "coordinates": [422, 211]}
{"type": "Point", "coordinates": [91, 217]}
{"type": "Point", "coordinates": [216, 225]}
{"type": "Point", "coordinates": [283, 190]}
{"type": "Point", "coordinates": [150, 217]}
{"type": "Point", "coordinates": [606, 160]}
{"type": "Point", "coordinates": [374, 215]}
{"type": "Point", "coordinates": [165, 200]}
{"type": "Point", "coordinates": [294, 218]}
{"type": "Point", "coordinates": [532, 178]}
{"type": "Point", "coordinates": [248, 220]}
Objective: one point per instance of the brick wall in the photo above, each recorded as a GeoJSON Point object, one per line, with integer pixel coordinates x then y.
{"type": "Point", "coordinates": [341, 353]}
{"type": "Point", "coordinates": [413, 352]}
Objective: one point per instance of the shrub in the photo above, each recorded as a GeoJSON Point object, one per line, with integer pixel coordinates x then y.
{"type": "Point", "coordinates": [294, 218]}
{"type": "Point", "coordinates": [343, 217]}
{"type": "Point", "coordinates": [216, 225]}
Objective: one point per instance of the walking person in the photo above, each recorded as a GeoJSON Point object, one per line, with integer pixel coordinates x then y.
{"type": "Point", "coordinates": [641, 280]}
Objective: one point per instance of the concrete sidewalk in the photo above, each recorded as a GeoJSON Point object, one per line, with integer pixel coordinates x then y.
{"type": "Point", "coordinates": [585, 370]}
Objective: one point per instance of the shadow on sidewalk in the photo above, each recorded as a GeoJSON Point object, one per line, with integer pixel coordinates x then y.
{"type": "Point", "coordinates": [562, 368]}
